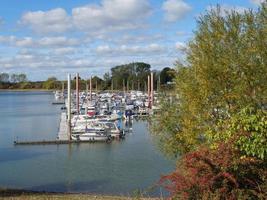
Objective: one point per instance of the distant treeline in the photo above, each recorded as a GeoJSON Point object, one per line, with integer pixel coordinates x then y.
{"type": "Point", "coordinates": [131, 76]}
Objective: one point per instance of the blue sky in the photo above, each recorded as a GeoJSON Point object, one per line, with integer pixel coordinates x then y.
{"type": "Point", "coordinates": [44, 38]}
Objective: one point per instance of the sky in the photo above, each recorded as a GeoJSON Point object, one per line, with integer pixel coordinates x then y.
{"type": "Point", "coordinates": [44, 38]}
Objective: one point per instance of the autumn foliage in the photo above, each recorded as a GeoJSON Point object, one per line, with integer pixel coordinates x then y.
{"type": "Point", "coordinates": [217, 174]}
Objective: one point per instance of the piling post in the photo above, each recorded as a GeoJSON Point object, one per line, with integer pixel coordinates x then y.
{"type": "Point", "coordinates": [69, 106]}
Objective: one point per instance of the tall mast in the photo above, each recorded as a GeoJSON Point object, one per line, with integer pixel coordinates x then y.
{"type": "Point", "coordinates": [152, 89]}
{"type": "Point", "coordinates": [148, 90]}
{"type": "Point", "coordinates": [69, 106]}
{"type": "Point", "coordinates": [91, 88]}
{"type": "Point", "coordinates": [77, 93]}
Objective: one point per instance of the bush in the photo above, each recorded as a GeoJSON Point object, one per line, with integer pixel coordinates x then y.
{"type": "Point", "coordinates": [220, 173]}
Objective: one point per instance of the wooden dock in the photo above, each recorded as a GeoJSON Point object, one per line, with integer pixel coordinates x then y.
{"type": "Point", "coordinates": [63, 128]}
{"type": "Point", "coordinates": [62, 137]}
{"type": "Point", "coordinates": [54, 142]}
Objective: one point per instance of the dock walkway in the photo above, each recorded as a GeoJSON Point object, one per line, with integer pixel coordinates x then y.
{"type": "Point", "coordinates": [63, 128]}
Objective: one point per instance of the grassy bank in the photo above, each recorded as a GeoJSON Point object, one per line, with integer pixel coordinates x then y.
{"type": "Point", "coordinates": [23, 194]}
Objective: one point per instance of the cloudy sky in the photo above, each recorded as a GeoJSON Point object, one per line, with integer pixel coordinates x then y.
{"type": "Point", "coordinates": [45, 38]}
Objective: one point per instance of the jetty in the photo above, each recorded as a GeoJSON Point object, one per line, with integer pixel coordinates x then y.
{"type": "Point", "coordinates": [63, 128]}
{"type": "Point", "coordinates": [54, 142]}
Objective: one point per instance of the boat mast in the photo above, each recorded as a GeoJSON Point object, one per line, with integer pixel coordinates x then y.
{"type": "Point", "coordinates": [69, 106]}
{"type": "Point", "coordinates": [91, 88]}
{"type": "Point", "coordinates": [77, 93]}
{"type": "Point", "coordinates": [148, 90]}
{"type": "Point", "coordinates": [152, 89]}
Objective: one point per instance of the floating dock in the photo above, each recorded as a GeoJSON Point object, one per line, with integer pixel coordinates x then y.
{"type": "Point", "coordinates": [63, 128]}
{"type": "Point", "coordinates": [53, 142]}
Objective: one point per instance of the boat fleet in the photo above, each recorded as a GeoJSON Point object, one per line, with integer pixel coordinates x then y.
{"type": "Point", "coordinates": [101, 116]}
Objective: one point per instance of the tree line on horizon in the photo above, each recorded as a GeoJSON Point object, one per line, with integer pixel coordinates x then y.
{"type": "Point", "coordinates": [132, 76]}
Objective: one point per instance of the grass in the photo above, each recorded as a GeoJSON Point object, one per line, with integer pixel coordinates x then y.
{"type": "Point", "coordinates": [32, 195]}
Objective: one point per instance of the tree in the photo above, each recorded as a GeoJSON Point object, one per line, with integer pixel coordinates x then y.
{"type": "Point", "coordinates": [133, 73]}
{"type": "Point", "coordinates": [217, 174]}
{"type": "Point", "coordinates": [218, 125]}
{"type": "Point", "coordinates": [225, 72]}
{"type": "Point", "coordinates": [107, 80]}
{"type": "Point", "coordinates": [21, 78]}
{"type": "Point", "coordinates": [167, 75]}
{"type": "Point", "coordinates": [50, 83]}
{"type": "Point", "coordinates": [4, 77]}
{"type": "Point", "coordinates": [14, 78]}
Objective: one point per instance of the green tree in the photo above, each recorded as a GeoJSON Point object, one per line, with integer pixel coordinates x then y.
{"type": "Point", "coordinates": [134, 73]}
{"type": "Point", "coordinates": [22, 78]}
{"type": "Point", "coordinates": [50, 83]}
{"type": "Point", "coordinates": [225, 72]}
{"type": "Point", "coordinates": [167, 75]}
{"type": "Point", "coordinates": [4, 77]}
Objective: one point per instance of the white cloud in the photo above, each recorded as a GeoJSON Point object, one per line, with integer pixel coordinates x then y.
{"type": "Point", "coordinates": [103, 49]}
{"type": "Point", "coordinates": [130, 50]}
{"type": "Point", "coordinates": [7, 39]}
{"type": "Point", "coordinates": [58, 41]}
{"type": "Point", "coordinates": [175, 10]}
{"type": "Point", "coordinates": [64, 51]}
{"type": "Point", "coordinates": [225, 8]}
{"type": "Point", "coordinates": [111, 15]}
{"type": "Point", "coordinates": [25, 42]}
{"type": "Point", "coordinates": [180, 46]}
{"type": "Point", "coordinates": [56, 21]}
{"type": "Point", "coordinates": [44, 42]}
{"type": "Point", "coordinates": [257, 2]}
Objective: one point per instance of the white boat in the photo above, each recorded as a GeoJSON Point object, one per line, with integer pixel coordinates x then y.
{"type": "Point", "coordinates": [59, 95]}
{"type": "Point", "coordinates": [112, 129]}
{"type": "Point", "coordinates": [90, 136]}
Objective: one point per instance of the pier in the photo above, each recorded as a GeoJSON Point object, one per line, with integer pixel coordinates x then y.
{"type": "Point", "coordinates": [54, 142]}
{"type": "Point", "coordinates": [63, 128]}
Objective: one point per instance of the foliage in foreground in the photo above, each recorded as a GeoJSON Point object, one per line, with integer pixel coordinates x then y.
{"type": "Point", "coordinates": [225, 72]}
{"type": "Point", "coordinates": [217, 174]}
{"type": "Point", "coordinates": [218, 125]}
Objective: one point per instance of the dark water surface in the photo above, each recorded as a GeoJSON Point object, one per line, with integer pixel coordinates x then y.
{"type": "Point", "coordinates": [120, 167]}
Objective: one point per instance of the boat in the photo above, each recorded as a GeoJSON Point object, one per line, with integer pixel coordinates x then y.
{"type": "Point", "coordinates": [90, 136]}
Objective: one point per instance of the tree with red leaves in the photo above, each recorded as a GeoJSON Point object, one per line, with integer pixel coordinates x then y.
{"type": "Point", "coordinates": [217, 174]}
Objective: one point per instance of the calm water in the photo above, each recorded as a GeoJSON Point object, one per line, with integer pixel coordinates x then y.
{"type": "Point", "coordinates": [121, 167]}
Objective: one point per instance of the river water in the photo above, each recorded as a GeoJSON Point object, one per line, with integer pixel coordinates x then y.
{"type": "Point", "coordinates": [119, 168]}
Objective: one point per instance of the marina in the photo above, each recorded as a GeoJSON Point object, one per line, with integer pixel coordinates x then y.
{"type": "Point", "coordinates": [113, 167]}
{"type": "Point", "coordinates": [97, 116]}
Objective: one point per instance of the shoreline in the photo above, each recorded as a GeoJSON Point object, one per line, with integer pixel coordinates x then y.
{"type": "Point", "coordinates": [25, 90]}
{"type": "Point", "coordinates": [6, 193]}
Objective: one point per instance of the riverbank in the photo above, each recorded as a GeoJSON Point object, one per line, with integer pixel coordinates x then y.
{"type": "Point", "coordinates": [15, 194]}
{"type": "Point", "coordinates": [25, 90]}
